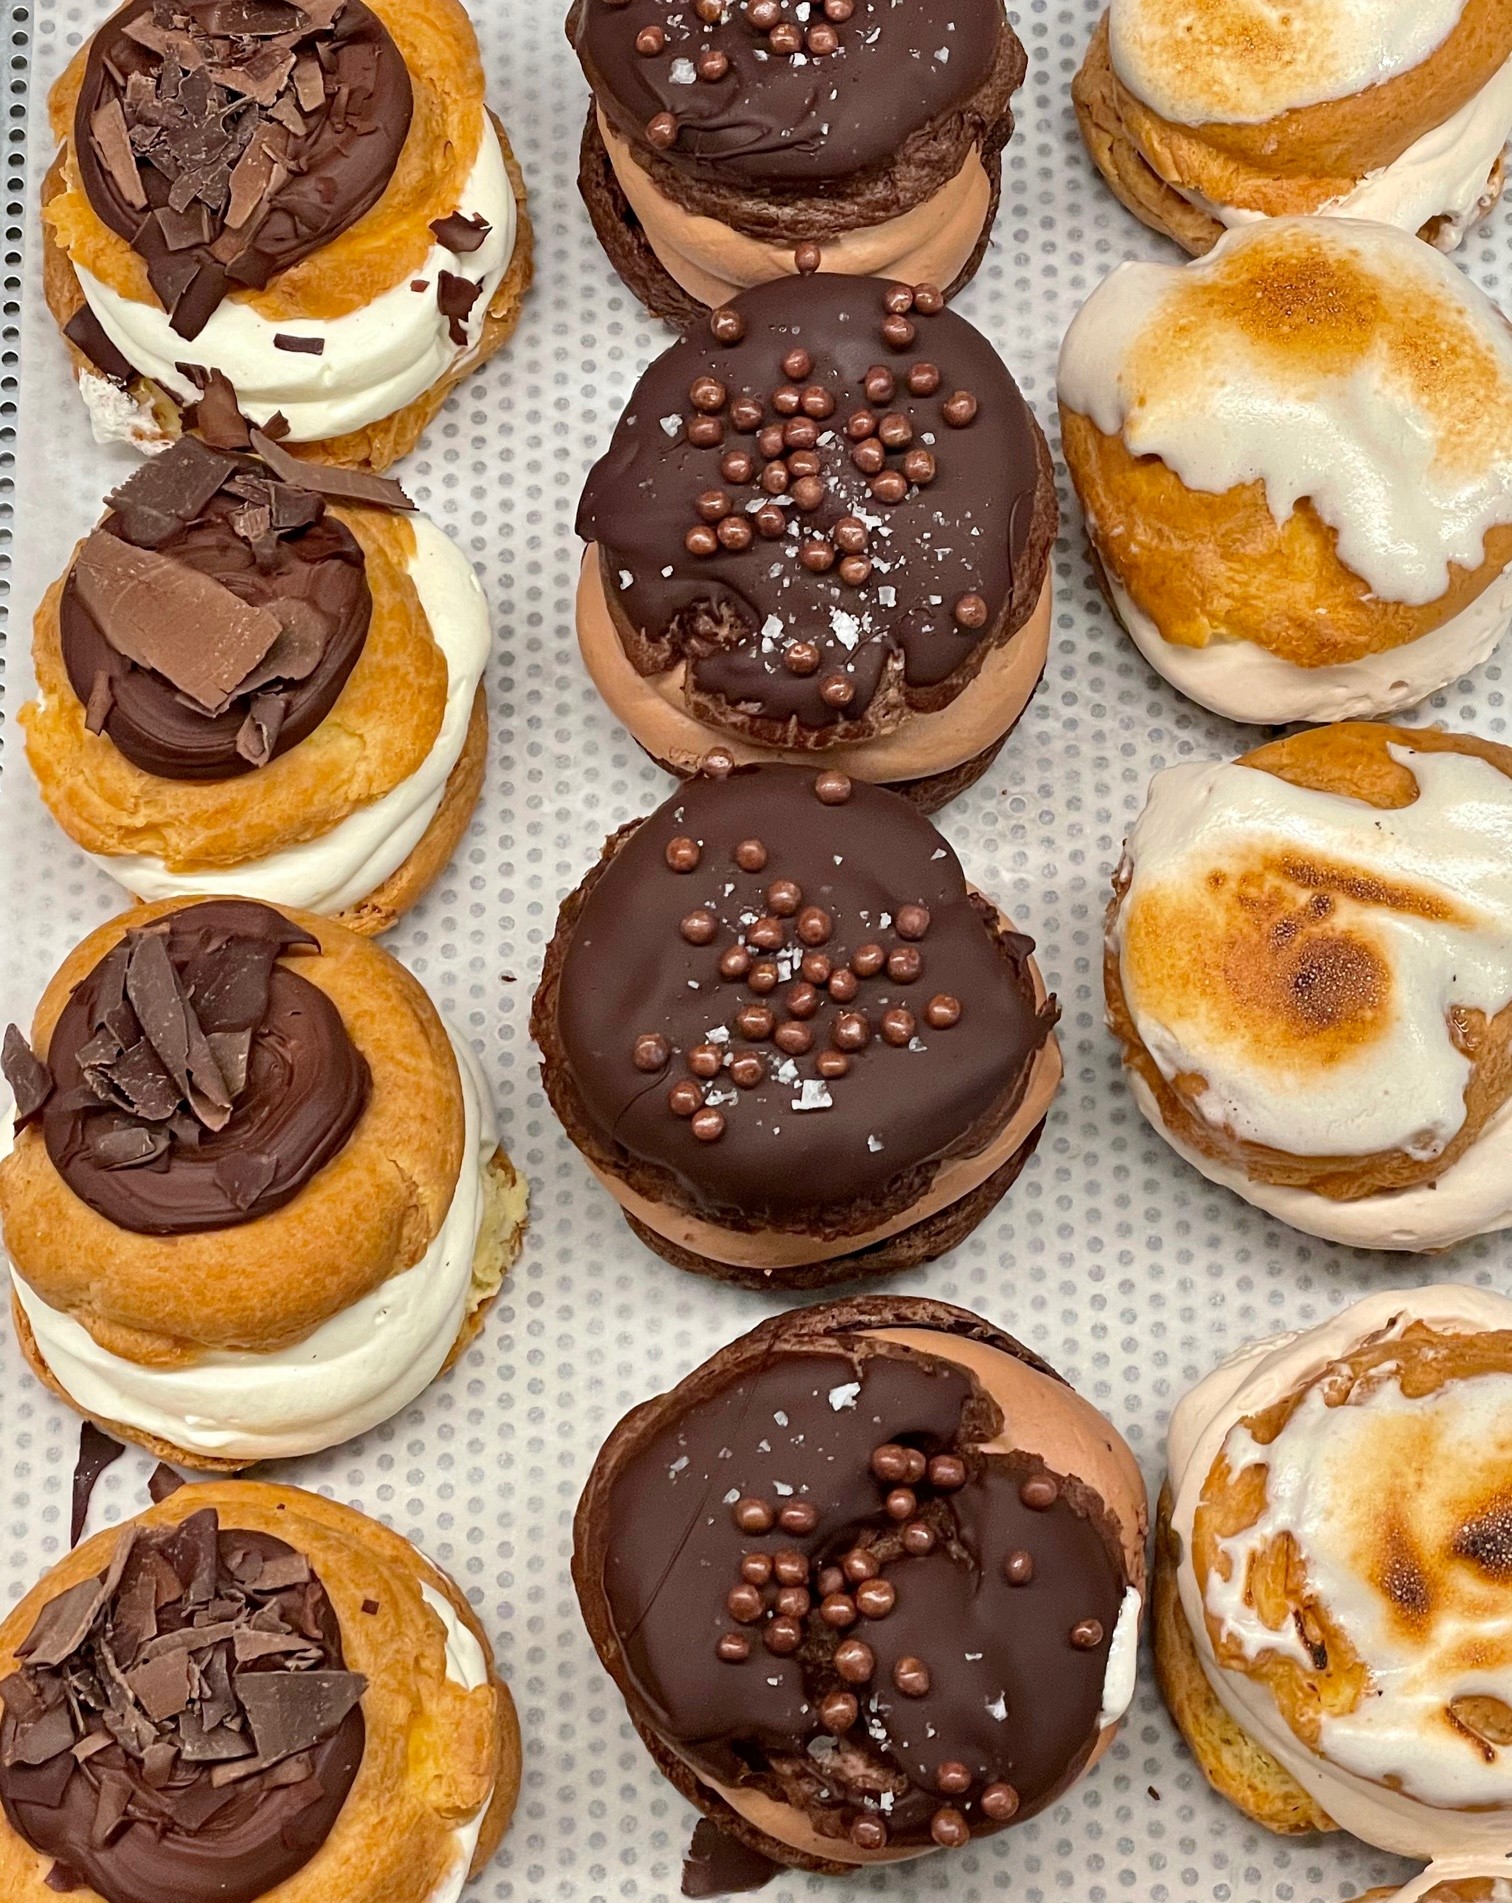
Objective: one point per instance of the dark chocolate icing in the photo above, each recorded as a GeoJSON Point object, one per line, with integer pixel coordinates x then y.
{"type": "Point", "coordinates": [793, 1423]}
{"type": "Point", "coordinates": [900, 636]}
{"type": "Point", "coordinates": [320, 140]}
{"type": "Point", "coordinates": [316, 565]}
{"type": "Point", "coordinates": [630, 973]}
{"type": "Point", "coordinates": [774, 119]}
{"type": "Point", "coordinates": [139, 1819]}
{"type": "Point", "coordinates": [306, 1083]}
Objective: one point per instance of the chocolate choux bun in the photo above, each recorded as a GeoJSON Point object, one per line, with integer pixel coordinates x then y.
{"type": "Point", "coordinates": [258, 678]}
{"type": "Point", "coordinates": [823, 528]}
{"type": "Point", "coordinates": [250, 1692]}
{"type": "Point", "coordinates": [1331, 1624]}
{"type": "Point", "coordinates": [870, 1582]}
{"type": "Point", "coordinates": [1209, 117]}
{"type": "Point", "coordinates": [1309, 970]}
{"type": "Point", "coordinates": [733, 142]}
{"type": "Point", "coordinates": [788, 1038]}
{"type": "Point", "coordinates": [255, 1201]}
{"type": "Point", "coordinates": [1295, 461]}
{"type": "Point", "coordinates": [309, 197]}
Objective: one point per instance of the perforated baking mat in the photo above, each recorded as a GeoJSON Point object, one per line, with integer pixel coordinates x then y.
{"type": "Point", "coordinates": [1109, 1256]}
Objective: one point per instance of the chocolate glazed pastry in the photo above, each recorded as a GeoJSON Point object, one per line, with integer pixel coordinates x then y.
{"type": "Point", "coordinates": [824, 517]}
{"type": "Point", "coordinates": [853, 1616]}
{"type": "Point", "coordinates": [182, 1726]}
{"type": "Point", "coordinates": [193, 1081]}
{"type": "Point", "coordinates": [760, 139]}
{"type": "Point", "coordinates": [788, 1037]}
{"type": "Point", "coordinates": [225, 140]}
{"type": "Point", "coordinates": [200, 541]}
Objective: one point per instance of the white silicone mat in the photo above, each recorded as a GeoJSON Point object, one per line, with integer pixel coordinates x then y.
{"type": "Point", "coordinates": [1109, 1257]}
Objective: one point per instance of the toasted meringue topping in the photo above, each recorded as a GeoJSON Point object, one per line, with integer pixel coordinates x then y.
{"type": "Point", "coordinates": [1242, 62]}
{"type": "Point", "coordinates": [1305, 967]}
{"type": "Point", "coordinates": [1336, 361]}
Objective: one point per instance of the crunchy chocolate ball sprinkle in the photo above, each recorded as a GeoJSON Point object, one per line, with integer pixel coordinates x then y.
{"type": "Point", "coordinates": [750, 855]}
{"type": "Point", "coordinates": [794, 1602]}
{"type": "Point", "coordinates": [855, 1661]}
{"type": "Point", "coordinates": [999, 1802]}
{"type": "Point", "coordinates": [808, 258]}
{"type": "Point", "coordinates": [912, 921]}
{"type": "Point", "coordinates": [875, 1598]}
{"type": "Point", "coordinates": [952, 1778]}
{"type": "Point", "coordinates": [783, 1636]}
{"type": "Point", "coordinates": [942, 1011]}
{"type": "Point", "coordinates": [899, 332]}
{"type": "Point", "coordinates": [898, 299]}
{"type": "Point", "coordinates": [683, 854]}
{"type": "Point", "coordinates": [904, 964]}
{"type": "Point", "coordinates": [661, 131]}
{"type": "Point", "coordinates": [705, 432]}
{"type": "Point", "coordinates": [699, 928]}
{"type": "Point", "coordinates": [734, 963]}
{"type": "Point", "coordinates": [757, 1568]}
{"type": "Point", "coordinates": [753, 1516]}
{"type": "Point", "coordinates": [798, 1516]}
{"type": "Point", "coordinates": [868, 960]}
{"type": "Point", "coordinates": [713, 65]}
{"type": "Point", "coordinates": [898, 1025]}
{"type": "Point", "coordinates": [745, 1604]}
{"type": "Point", "coordinates": [705, 1060]}
{"type": "Point", "coordinates": [734, 1648]}
{"type": "Point", "coordinates": [784, 896]}
{"type": "Point", "coordinates": [1086, 1635]}
{"type": "Point", "coordinates": [869, 1833]}
{"type": "Point", "coordinates": [839, 1610]}
{"type": "Point", "coordinates": [947, 1473]}
{"type": "Point", "coordinates": [1018, 1567]}
{"type": "Point", "coordinates": [959, 409]}
{"type": "Point", "coordinates": [859, 1564]}
{"type": "Point", "coordinates": [901, 1504]}
{"type": "Point", "coordinates": [924, 379]}
{"type": "Point", "coordinates": [911, 1676]}
{"type": "Point", "coordinates": [737, 465]}
{"type": "Point", "coordinates": [650, 42]}
{"type": "Point", "coordinates": [833, 787]}
{"type": "Point", "coordinates": [838, 1711]}
{"type": "Point", "coordinates": [685, 1099]}
{"type": "Point", "coordinates": [970, 611]}
{"type": "Point", "coordinates": [652, 1052]}
{"type": "Point", "coordinates": [1040, 1492]}
{"type": "Point", "coordinates": [797, 364]}
{"type": "Point", "coordinates": [918, 1538]}
{"type": "Point", "coordinates": [708, 394]}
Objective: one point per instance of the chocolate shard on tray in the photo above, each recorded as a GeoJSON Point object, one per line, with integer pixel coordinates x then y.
{"type": "Point", "coordinates": [339, 485]}
{"type": "Point", "coordinates": [97, 1451]}
{"type": "Point", "coordinates": [30, 1079]}
{"type": "Point", "coordinates": [86, 333]}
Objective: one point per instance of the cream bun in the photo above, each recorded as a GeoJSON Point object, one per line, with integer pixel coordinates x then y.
{"type": "Point", "coordinates": [255, 1201]}
{"type": "Point", "coordinates": [822, 530]}
{"type": "Point", "coordinates": [263, 677]}
{"type": "Point", "coordinates": [1295, 461]}
{"type": "Point", "coordinates": [309, 198]}
{"type": "Point", "coordinates": [1454, 1880]}
{"type": "Point", "coordinates": [1392, 110]}
{"type": "Point", "coordinates": [729, 145]}
{"type": "Point", "coordinates": [1309, 970]}
{"type": "Point", "coordinates": [788, 1038]}
{"type": "Point", "coordinates": [1332, 1627]}
{"type": "Point", "coordinates": [870, 1582]}
{"type": "Point", "coordinates": [250, 1692]}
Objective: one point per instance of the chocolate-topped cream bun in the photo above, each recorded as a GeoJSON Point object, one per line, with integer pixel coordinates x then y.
{"type": "Point", "coordinates": [307, 196]}
{"type": "Point", "coordinates": [1395, 110]}
{"type": "Point", "coordinates": [732, 142]}
{"type": "Point", "coordinates": [263, 677]}
{"type": "Point", "coordinates": [823, 527]}
{"type": "Point", "coordinates": [255, 1200]}
{"type": "Point", "coordinates": [248, 1692]}
{"type": "Point", "coordinates": [1332, 1630]}
{"type": "Point", "coordinates": [870, 1582]}
{"type": "Point", "coordinates": [787, 1036]}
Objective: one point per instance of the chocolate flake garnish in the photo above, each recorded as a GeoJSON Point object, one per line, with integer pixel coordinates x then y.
{"type": "Point", "coordinates": [217, 416]}
{"type": "Point", "coordinates": [97, 1451]}
{"type": "Point", "coordinates": [168, 491]}
{"type": "Point", "coordinates": [169, 617]}
{"type": "Point", "coordinates": [720, 1865]}
{"type": "Point", "coordinates": [87, 334]}
{"type": "Point", "coordinates": [162, 1482]}
{"type": "Point", "coordinates": [30, 1079]}
{"type": "Point", "coordinates": [301, 346]}
{"type": "Point", "coordinates": [455, 297]}
{"type": "Point", "coordinates": [461, 232]}
{"type": "Point", "coordinates": [291, 1711]}
{"type": "Point", "coordinates": [101, 700]}
{"type": "Point", "coordinates": [259, 731]}
{"type": "Point", "coordinates": [340, 485]}
{"type": "Point", "coordinates": [113, 142]}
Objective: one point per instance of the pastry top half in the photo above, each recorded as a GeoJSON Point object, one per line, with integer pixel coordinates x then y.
{"type": "Point", "coordinates": [822, 511]}
{"type": "Point", "coordinates": [778, 99]}
{"type": "Point", "coordinates": [234, 1121]}
{"type": "Point", "coordinates": [872, 1575]}
{"type": "Point", "coordinates": [1345, 1544]}
{"type": "Point", "coordinates": [1303, 441]}
{"type": "Point", "coordinates": [777, 1004]}
{"type": "Point", "coordinates": [1279, 110]}
{"type": "Point", "coordinates": [247, 1692]}
{"type": "Point", "coordinates": [240, 657]}
{"type": "Point", "coordinates": [1310, 956]}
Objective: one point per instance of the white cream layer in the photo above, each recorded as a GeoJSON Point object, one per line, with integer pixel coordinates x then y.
{"type": "Point", "coordinates": [1407, 490]}
{"type": "Point", "coordinates": [1445, 174]}
{"type": "Point", "coordinates": [465, 1666]}
{"type": "Point", "coordinates": [1248, 1382]}
{"type": "Point", "coordinates": [1452, 845]}
{"type": "Point", "coordinates": [376, 360]}
{"type": "Point", "coordinates": [1243, 681]}
{"type": "Point", "coordinates": [1459, 1870]}
{"type": "Point", "coordinates": [359, 1368]}
{"type": "Point", "coordinates": [340, 868]}
{"type": "Point", "coordinates": [1241, 62]}
{"type": "Point", "coordinates": [1122, 1670]}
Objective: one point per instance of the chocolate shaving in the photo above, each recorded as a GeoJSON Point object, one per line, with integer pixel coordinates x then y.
{"type": "Point", "coordinates": [175, 620]}
{"type": "Point", "coordinates": [292, 1711]}
{"type": "Point", "coordinates": [244, 1175]}
{"type": "Point", "coordinates": [62, 1879]}
{"type": "Point", "coordinates": [87, 334]}
{"type": "Point", "coordinates": [720, 1865]}
{"type": "Point", "coordinates": [300, 346]}
{"type": "Point", "coordinates": [183, 229]}
{"type": "Point", "coordinates": [340, 485]}
{"type": "Point", "coordinates": [162, 1482]}
{"type": "Point", "coordinates": [258, 735]}
{"type": "Point", "coordinates": [309, 83]}
{"type": "Point", "coordinates": [461, 232]}
{"type": "Point", "coordinates": [101, 700]}
{"type": "Point", "coordinates": [168, 491]}
{"type": "Point", "coordinates": [30, 1080]}
{"type": "Point", "coordinates": [97, 1451]}
{"type": "Point", "coordinates": [112, 139]}
{"type": "Point", "coordinates": [217, 416]}
{"type": "Point", "coordinates": [455, 297]}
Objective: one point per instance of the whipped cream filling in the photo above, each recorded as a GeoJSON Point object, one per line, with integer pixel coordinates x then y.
{"type": "Point", "coordinates": [1441, 1882]}
{"type": "Point", "coordinates": [1241, 62]}
{"type": "Point", "coordinates": [359, 1368]}
{"type": "Point", "coordinates": [340, 868]}
{"type": "Point", "coordinates": [1444, 174]}
{"type": "Point", "coordinates": [1122, 1670]}
{"type": "Point", "coordinates": [1403, 451]}
{"type": "Point", "coordinates": [376, 360]}
{"type": "Point", "coordinates": [1424, 891]}
{"type": "Point", "coordinates": [1243, 681]}
{"type": "Point", "coordinates": [465, 1666]}
{"type": "Point", "coordinates": [1250, 1381]}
